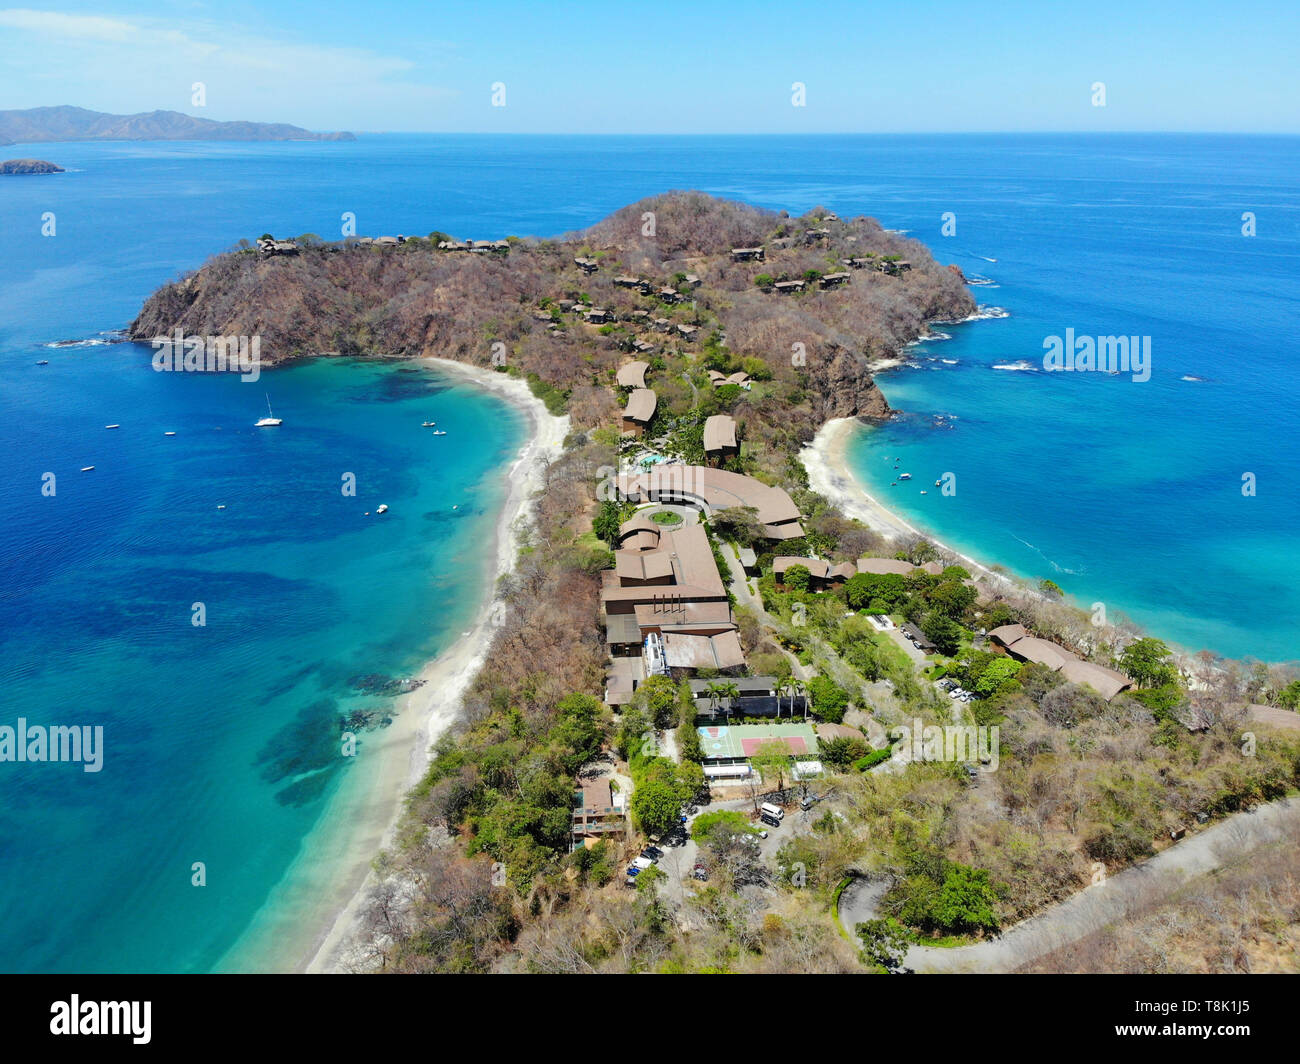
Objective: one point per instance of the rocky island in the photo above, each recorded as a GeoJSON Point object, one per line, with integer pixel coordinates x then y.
{"type": "Point", "coordinates": [29, 166]}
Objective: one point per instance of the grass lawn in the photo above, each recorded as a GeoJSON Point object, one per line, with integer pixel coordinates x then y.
{"type": "Point", "coordinates": [666, 517]}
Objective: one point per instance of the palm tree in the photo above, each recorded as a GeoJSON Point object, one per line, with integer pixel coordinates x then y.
{"type": "Point", "coordinates": [715, 692]}
{"type": "Point", "coordinates": [730, 691]}
{"type": "Point", "coordinates": [784, 687]}
{"type": "Point", "coordinates": [801, 688]}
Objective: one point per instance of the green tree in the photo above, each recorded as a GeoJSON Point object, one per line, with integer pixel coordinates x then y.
{"type": "Point", "coordinates": [966, 900]}
{"type": "Point", "coordinates": [660, 695]}
{"type": "Point", "coordinates": [656, 804]}
{"type": "Point", "coordinates": [688, 743]}
{"type": "Point", "coordinates": [829, 700]}
{"type": "Point", "coordinates": [1289, 696]}
{"type": "Point", "coordinates": [884, 942]}
{"type": "Point", "coordinates": [843, 750]}
{"type": "Point", "coordinates": [771, 761]}
{"type": "Point", "coordinates": [606, 522]}
{"type": "Point", "coordinates": [942, 631]}
{"type": "Point", "coordinates": [1149, 662]}
{"type": "Point", "coordinates": [797, 577]}
{"type": "Point", "coordinates": [995, 674]}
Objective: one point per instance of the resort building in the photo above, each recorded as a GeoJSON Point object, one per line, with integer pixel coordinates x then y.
{"type": "Point", "coordinates": [789, 287]}
{"type": "Point", "coordinates": [714, 489]}
{"type": "Point", "coordinates": [718, 379]}
{"type": "Point", "coordinates": [597, 812]}
{"type": "Point", "coordinates": [720, 438]}
{"type": "Point", "coordinates": [640, 410]}
{"type": "Point", "coordinates": [833, 280]}
{"type": "Point", "coordinates": [1016, 641]}
{"type": "Point", "coordinates": [665, 607]}
{"type": "Point", "coordinates": [586, 265]}
{"type": "Point", "coordinates": [747, 254]}
{"type": "Point", "coordinates": [819, 571]}
{"type": "Point", "coordinates": [632, 375]}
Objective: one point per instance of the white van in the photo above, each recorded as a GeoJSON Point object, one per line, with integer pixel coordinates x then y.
{"type": "Point", "coordinates": [774, 811]}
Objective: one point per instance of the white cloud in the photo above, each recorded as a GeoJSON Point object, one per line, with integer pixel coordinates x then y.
{"type": "Point", "coordinates": [54, 24]}
{"type": "Point", "coordinates": [117, 65]}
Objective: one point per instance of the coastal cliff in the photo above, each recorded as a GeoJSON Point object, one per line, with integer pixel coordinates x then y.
{"type": "Point", "coordinates": [673, 279]}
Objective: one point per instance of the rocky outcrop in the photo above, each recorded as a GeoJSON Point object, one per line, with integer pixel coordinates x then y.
{"type": "Point", "coordinates": [29, 166]}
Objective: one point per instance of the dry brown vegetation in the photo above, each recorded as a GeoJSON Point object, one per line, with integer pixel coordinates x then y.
{"type": "Point", "coordinates": [1243, 918]}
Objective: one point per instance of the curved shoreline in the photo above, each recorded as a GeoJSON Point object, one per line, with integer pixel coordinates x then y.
{"type": "Point", "coordinates": [425, 713]}
{"type": "Point", "coordinates": [829, 474]}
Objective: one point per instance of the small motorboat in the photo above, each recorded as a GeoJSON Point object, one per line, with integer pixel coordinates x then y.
{"type": "Point", "coordinates": [169, 434]}
{"type": "Point", "coordinates": [924, 492]}
{"type": "Point", "coordinates": [43, 362]}
{"type": "Point", "coordinates": [382, 508]}
{"type": "Point", "coordinates": [112, 426]}
{"type": "Point", "coordinates": [439, 432]}
{"type": "Point", "coordinates": [904, 476]}
{"type": "Point", "coordinates": [427, 424]}
{"type": "Point", "coordinates": [221, 506]}
{"type": "Point", "coordinates": [87, 468]}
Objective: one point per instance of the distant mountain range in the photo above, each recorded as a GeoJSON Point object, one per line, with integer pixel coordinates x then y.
{"type": "Point", "coordinates": [39, 124]}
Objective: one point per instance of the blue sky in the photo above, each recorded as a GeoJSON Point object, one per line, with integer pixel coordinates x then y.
{"type": "Point", "coordinates": [700, 67]}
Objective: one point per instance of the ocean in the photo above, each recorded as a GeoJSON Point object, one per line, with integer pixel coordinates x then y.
{"type": "Point", "coordinates": [220, 738]}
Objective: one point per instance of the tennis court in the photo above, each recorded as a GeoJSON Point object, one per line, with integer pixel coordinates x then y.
{"type": "Point", "coordinates": [736, 741]}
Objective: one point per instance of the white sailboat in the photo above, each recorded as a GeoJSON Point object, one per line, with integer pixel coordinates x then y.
{"type": "Point", "coordinates": [270, 419]}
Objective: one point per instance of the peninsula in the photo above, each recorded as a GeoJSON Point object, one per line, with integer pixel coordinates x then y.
{"type": "Point", "coordinates": [724, 720]}
{"type": "Point", "coordinates": [39, 125]}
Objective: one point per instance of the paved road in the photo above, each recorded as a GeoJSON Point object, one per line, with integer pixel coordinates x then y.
{"type": "Point", "coordinates": [1103, 904]}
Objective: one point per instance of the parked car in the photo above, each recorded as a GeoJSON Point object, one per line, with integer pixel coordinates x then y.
{"type": "Point", "coordinates": [653, 852]}
{"type": "Point", "coordinates": [633, 871]}
{"type": "Point", "coordinates": [770, 821]}
{"type": "Point", "coordinates": [762, 834]}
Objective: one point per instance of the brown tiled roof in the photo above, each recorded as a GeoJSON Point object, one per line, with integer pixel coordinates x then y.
{"type": "Point", "coordinates": [632, 375]}
{"type": "Point", "coordinates": [717, 489]}
{"type": "Point", "coordinates": [719, 432]}
{"type": "Point", "coordinates": [641, 405]}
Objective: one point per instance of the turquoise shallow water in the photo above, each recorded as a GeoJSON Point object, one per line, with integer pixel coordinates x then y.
{"type": "Point", "coordinates": [220, 739]}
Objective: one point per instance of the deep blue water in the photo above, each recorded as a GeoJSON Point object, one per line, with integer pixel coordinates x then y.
{"type": "Point", "coordinates": [220, 738]}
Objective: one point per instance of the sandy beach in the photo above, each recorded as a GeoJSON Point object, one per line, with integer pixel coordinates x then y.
{"type": "Point", "coordinates": [826, 460]}
{"type": "Point", "coordinates": [403, 748]}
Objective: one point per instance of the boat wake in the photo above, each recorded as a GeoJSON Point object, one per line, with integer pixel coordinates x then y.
{"type": "Point", "coordinates": [1055, 567]}
{"type": "Point", "coordinates": [1020, 366]}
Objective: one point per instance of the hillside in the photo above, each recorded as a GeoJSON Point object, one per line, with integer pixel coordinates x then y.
{"type": "Point", "coordinates": [46, 124]}
{"type": "Point", "coordinates": [697, 308]}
